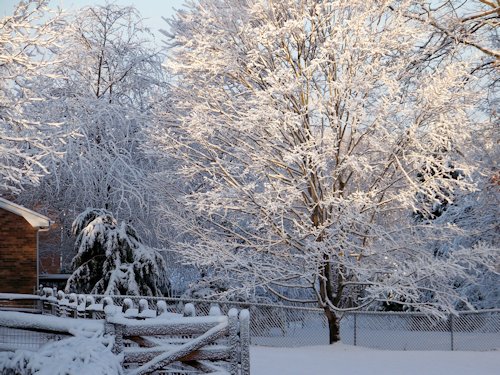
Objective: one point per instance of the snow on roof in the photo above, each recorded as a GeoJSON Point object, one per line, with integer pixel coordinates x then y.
{"type": "Point", "coordinates": [54, 276]}
{"type": "Point", "coordinates": [18, 296]}
{"type": "Point", "coordinates": [35, 219]}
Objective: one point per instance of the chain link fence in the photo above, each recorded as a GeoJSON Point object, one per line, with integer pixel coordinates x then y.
{"type": "Point", "coordinates": [12, 339]}
{"type": "Point", "coordinates": [415, 331]}
{"type": "Point", "coordinates": [288, 326]}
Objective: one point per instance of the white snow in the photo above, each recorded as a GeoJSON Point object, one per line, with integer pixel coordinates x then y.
{"type": "Point", "coordinates": [75, 355]}
{"type": "Point", "coordinates": [353, 360]}
{"type": "Point", "coordinates": [166, 319]}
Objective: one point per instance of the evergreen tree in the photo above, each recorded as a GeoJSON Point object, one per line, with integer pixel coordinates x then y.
{"type": "Point", "coordinates": [110, 258]}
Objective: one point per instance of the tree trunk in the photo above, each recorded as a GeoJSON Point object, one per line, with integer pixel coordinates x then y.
{"type": "Point", "coordinates": [333, 326]}
{"type": "Point", "coordinates": [326, 293]}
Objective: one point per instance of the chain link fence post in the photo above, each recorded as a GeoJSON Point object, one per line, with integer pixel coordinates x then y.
{"type": "Point", "coordinates": [355, 330]}
{"type": "Point", "coordinates": [452, 332]}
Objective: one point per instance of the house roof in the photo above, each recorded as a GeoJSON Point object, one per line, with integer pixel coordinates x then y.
{"type": "Point", "coordinates": [35, 219]}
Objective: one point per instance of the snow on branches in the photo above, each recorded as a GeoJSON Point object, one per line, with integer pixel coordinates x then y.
{"type": "Point", "coordinates": [107, 73]}
{"type": "Point", "coordinates": [111, 259]}
{"type": "Point", "coordinates": [27, 139]}
{"type": "Point", "coordinates": [314, 132]}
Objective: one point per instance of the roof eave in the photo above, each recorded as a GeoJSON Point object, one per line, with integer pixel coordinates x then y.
{"type": "Point", "coordinates": [35, 219]}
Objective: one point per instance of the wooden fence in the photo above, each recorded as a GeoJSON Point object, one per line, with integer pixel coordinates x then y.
{"type": "Point", "coordinates": [160, 340]}
{"type": "Point", "coordinates": [208, 344]}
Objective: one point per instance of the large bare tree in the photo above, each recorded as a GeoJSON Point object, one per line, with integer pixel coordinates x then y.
{"type": "Point", "coordinates": [311, 133]}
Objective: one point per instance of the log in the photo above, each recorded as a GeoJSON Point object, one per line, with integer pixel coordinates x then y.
{"type": "Point", "coordinates": [182, 351]}
{"type": "Point", "coordinates": [142, 355]}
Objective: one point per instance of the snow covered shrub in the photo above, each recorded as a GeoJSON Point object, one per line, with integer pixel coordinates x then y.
{"type": "Point", "coordinates": [76, 355]}
{"type": "Point", "coordinates": [111, 259]}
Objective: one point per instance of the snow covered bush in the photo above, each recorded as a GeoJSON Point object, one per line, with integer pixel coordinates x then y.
{"type": "Point", "coordinates": [475, 219]}
{"type": "Point", "coordinates": [76, 355]}
{"type": "Point", "coordinates": [111, 259]}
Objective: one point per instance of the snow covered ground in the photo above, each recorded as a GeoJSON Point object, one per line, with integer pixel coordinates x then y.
{"type": "Point", "coordinates": [80, 355]}
{"type": "Point", "coordinates": [354, 360]}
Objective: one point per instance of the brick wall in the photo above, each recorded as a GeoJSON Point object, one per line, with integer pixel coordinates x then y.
{"type": "Point", "coordinates": [49, 250]}
{"type": "Point", "coordinates": [17, 254]}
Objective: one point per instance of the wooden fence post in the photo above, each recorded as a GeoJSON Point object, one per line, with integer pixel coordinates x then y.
{"type": "Point", "coordinates": [189, 310]}
{"type": "Point", "coordinates": [118, 346]}
{"type": "Point", "coordinates": [80, 306]}
{"type": "Point", "coordinates": [109, 328]}
{"type": "Point", "coordinates": [355, 328]}
{"type": "Point", "coordinates": [233, 341]}
{"type": "Point", "coordinates": [114, 329]}
{"type": "Point", "coordinates": [127, 304]}
{"type": "Point", "coordinates": [72, 305]}
{"type": "Point", "coordinates": [161, 308]}
{"type": "Point", "coordinates": [245, 342]}
{"type": "Point", "coordinates": [214, 310]}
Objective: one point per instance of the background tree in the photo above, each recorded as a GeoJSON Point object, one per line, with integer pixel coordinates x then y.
{"type": "Point", "coordinates": [110, 259]}
{"type": "Point", "coordinates": [309, 132]}
{"type": "Point", "coordinates": [468, 30]}
{"type": "Point", "coordinates": [27, 138]}
{"type": "Point", "coordinates": [104, 92]}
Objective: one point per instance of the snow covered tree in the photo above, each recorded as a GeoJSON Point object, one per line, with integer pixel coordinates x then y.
{"type": "Point", "coordinates": [110, 73]}
{"type": "Point", "coordinates": [27, 139]}
{"type": "Point", "coordinates": [111, 259]}
{"type": "Point", "coordinates": [308, 129]}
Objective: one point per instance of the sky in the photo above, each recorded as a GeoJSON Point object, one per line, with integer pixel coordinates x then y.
{"type": "Point", "coordinates": [151, 10]}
